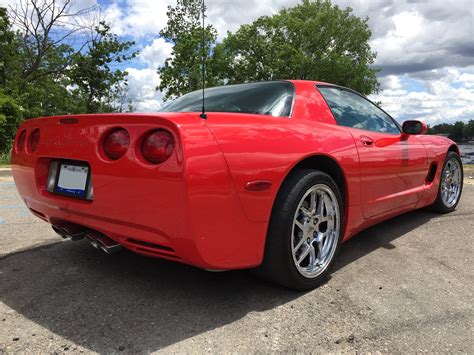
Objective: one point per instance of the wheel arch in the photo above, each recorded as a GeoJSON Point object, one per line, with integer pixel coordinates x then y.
{"type": "Point", "coordinates": [454, 148]}
{"type": "Point", "coordinates": [326, 164]}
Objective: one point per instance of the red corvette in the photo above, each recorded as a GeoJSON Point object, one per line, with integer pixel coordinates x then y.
{"type": "Point", "coordinates": [275, 177]}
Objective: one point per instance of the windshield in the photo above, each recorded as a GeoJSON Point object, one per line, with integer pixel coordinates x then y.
{"type": "Point", "coordinates": [266, 98]}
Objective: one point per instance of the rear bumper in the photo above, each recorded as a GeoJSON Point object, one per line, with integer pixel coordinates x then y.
{"type": "Point", "coordinates": [204, 238]}
{"type": "Point", "coordinates": [135, 237]}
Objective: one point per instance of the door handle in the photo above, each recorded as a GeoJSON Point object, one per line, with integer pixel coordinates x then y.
{"type": "Point", "coordinates": [367, 141]}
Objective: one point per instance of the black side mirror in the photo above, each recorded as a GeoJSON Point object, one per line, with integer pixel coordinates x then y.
{"type": "Point", "coordinates": [414, 127]}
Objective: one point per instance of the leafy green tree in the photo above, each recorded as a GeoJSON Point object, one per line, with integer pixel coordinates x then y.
{"type": "Point", "coordinates": [314, 40]}
{"type": "Point", "coordinates": [469, 130]}
{"type": "Point", "coordinates": [92, 73]}
{"type": "Point", "coordinates": [456, 132]}
{"type": "Point", "coordinates": [182, 72]}
{"type": "Point", "coordinates": [442, 128]}
{"type": "Point", "coordinates": [10, 117]}
{"type": "Point", "coordinates": [9, 50]}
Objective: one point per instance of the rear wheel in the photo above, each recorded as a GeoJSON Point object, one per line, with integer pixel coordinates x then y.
{"type": "Point", "coordinates": [304, 231]}
{"type": "Point", "coordinates": [450, 186]}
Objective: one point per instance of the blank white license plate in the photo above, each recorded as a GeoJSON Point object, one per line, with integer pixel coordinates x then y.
{"type": "Point", "coordinates": [72, 180]}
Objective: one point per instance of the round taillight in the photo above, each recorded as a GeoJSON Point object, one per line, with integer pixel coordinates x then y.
{"type": "Point", "coordinates": [158, 146]}
{"type": "Point", "coordinates": [20, 143]}
{"type": "Point", "coordinates": [33, 140]}
{"type": "Point", "coordinates": [116, 144]}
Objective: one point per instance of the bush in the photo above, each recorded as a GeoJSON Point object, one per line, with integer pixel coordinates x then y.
{"type": "Point", "coordinates": [5, 158]}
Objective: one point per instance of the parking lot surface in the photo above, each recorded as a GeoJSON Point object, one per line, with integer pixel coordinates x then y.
{"type": "Point", "coordinates": [405, 285]}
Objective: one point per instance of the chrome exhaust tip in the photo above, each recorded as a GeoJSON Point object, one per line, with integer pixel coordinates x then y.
{"type": "Point", "coordinates": [59, 231]}
{"type": "Point", "coordinates": [104, 243]}
{"type": "Point", "coordinates": [74, 233]}
{"type": "Point", "coordinates": [93, 242]}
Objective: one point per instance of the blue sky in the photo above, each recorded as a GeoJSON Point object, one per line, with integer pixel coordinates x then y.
{"type": "Point", "coordinates": [425, 48]}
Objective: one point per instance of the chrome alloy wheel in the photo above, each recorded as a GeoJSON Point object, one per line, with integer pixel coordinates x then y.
{"type": "Point", "coordinates": [315, 232]}
{"type": "Point", "coordinates": [451, 182]}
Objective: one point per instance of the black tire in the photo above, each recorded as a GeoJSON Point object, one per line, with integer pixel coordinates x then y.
{"type": "Point", "coordinates": [439, 205]}
{"type": "Point", "coordinates": [278, 264]}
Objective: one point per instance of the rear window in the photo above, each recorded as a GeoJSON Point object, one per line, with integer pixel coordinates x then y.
{"type": "Point", "coordinates": [265, 98]}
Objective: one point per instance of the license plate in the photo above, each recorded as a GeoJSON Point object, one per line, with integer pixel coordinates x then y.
{"type": "Point", "coordinates": [72, 180]}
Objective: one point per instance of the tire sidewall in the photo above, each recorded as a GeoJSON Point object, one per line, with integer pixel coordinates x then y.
{"type": "Point", "coordinates": [439, 200]}
{"type": "Point", "coordinates": [296, 193]}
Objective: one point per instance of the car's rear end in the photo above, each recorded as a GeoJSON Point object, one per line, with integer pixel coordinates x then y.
{"type": "Point", "coordinates": [155, 184]}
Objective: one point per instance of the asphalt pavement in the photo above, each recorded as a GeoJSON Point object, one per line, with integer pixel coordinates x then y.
{"type": "Point", "coordinates": [405, 285]}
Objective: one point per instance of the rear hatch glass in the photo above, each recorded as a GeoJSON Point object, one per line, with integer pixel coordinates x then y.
{"type": "Point", "coordinates": [273, 98]}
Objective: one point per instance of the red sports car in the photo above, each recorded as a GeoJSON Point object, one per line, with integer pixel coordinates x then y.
{"type": "Point", "coordinates": [274, 177]}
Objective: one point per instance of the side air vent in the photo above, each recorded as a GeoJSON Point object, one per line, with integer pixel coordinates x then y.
{"type": "Point", "coordinates": [431, 173]}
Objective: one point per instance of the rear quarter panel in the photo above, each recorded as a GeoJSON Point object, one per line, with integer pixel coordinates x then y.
{"type": "Point", "coordinates": [268, 148]}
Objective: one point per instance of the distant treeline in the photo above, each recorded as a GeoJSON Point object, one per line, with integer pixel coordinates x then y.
{"type": "Point", "coordinates": [458, 131]}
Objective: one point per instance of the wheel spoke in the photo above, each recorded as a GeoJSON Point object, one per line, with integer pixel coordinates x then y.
{"type": "Point", "coordinates": [313, 202]}
{"type": "Point", "coordinates": [328, 204]}
{"type": "Point", "coordinates": [319, 211]}
{"type": "Point", "coordinates": [299, 245]}
{"type": "Point", "coordinates": [312, 255]}
{"type": "Point", "coordinates": [444, 194]}
{"type": "Point", "coordinates": [305, 212]}
{"type": "Point", "coordinates": [320, 241]}
{"type": "Point", "coordinates": [304, 254]}
{"type": "Point", "coordinates": [330, 220]}
{"type": "Point", "coordinates": [299, 225]}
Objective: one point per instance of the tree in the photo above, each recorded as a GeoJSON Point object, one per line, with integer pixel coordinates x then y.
{"type": "Point", "coordinates": [51, 33]}
{"type": "Point", "coordinates": [182, 72]}
{"type": "Point", "coordinates": [97, 83]}
{"type": "Point", "coordinates": [314, 40]}
{"type": "Point", "coordinates": [9, 50]}
{"type": "Point", "coordinates": [456, 132]}
{"type": "Point", "coordinates": [10, 117]}
{"type": "Point", "coordinates": [469, 130]}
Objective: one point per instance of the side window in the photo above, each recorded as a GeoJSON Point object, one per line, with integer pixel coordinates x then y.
{"type": "Point", "coordinates": [352, 110]}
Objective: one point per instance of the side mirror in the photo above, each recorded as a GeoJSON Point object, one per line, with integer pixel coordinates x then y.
{"type": "Point", "coordinates": [414, 127]}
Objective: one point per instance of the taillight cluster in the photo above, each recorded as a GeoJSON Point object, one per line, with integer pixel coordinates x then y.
{"type": "Point", "coordinates": [31, 144]}
{"type": "Point", "coordinates": [155, 147]}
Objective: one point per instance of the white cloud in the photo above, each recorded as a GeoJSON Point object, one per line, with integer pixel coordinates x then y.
{"type": "Point", "coordinates": [138, 18]}
{"type": "Point", "coordinates": [156, 53]}
{"type": "Point", "coordinates": [6, 3]}
{"type": "Point", "coordinates": [141, 88]}
{"type": "Point", "coordinates": [448, 98]}
{"type": "Point", "coordinates": [390, 82]}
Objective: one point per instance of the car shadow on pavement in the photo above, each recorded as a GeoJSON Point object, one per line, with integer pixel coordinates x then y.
{"type": "Point", "coordinates": [381, 236]}
{"type": "Point", "coordinates": [126, 301]}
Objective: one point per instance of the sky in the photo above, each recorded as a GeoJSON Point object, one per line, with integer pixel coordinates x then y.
{"type": "Point", "coordinates": [425, 49]}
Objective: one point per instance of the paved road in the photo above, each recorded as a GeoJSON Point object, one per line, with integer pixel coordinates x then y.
{"type": "Point", "coordinates": [403, 286]}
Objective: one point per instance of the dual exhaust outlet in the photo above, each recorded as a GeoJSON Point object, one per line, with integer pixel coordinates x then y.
{"type": "Point", "coordinates": [96, 239]}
